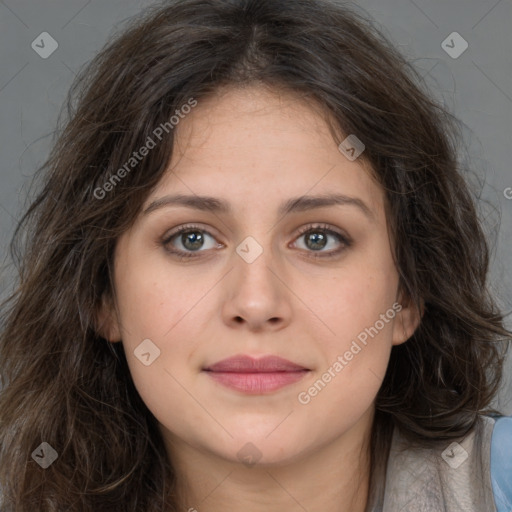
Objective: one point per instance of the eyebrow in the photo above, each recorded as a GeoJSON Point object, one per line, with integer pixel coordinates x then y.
{"type": "Point", "coordinates": [298, 204]}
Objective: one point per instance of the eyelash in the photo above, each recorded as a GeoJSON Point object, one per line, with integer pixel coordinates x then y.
{"type": "Point", "coordinates": [305, 230]}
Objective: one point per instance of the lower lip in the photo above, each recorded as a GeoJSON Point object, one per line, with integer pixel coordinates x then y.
{"type": "Point", "coordinates": [257, 383]}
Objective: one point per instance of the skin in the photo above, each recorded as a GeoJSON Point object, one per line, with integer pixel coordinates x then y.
{"type": "Point", "coordinates": [256, 148]}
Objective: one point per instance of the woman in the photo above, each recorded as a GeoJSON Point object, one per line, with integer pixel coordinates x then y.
{"type": "Point", "coordinates": [254, 279]}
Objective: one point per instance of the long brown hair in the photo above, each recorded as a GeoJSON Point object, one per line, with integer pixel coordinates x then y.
{"type": "Point", "coordinates": [62, 383]}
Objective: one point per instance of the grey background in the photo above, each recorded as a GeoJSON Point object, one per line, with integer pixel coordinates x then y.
{"type": "Point", "coordinates": [476, 86]}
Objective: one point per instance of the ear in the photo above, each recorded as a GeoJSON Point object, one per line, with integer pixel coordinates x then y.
{"type": "Point", "coordinates": [107, 324]}
{"type": "Point", "coordinates": [408, 318]}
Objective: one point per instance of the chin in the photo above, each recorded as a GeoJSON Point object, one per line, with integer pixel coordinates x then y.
{"type": "Point", "coordinates": [251, 450]}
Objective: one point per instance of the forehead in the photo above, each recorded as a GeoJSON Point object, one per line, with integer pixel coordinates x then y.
{"type": "Point", "coordinates": [259, 144]}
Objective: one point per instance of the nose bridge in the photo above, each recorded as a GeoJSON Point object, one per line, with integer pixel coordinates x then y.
{"type": "Point", "coordinates": [255, 263]}
{"type": "Point", "coordinates": [256, 292]}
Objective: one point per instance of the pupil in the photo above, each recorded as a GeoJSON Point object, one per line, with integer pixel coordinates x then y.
{"type": "Point", "coordinates": [194, 237]}
{"type": "Point", "coordinates": [315, 237]}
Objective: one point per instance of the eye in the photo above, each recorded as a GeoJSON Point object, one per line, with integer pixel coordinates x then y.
{"type": "Point", "coordinates": [317, 238]}
{"type": "Point", "coordinates": [189, 241]}
{"type": "Point", "coordinates": [190, 238]}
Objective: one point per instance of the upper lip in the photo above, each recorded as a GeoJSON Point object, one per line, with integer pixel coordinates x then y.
{"type": "Point", "coordinates": [248, 364]}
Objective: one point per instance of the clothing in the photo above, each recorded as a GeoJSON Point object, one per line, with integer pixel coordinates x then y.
{"type": "Point", "coordinates": [501, 464]}
{"type": "Point", "coordinates": [471, 474]}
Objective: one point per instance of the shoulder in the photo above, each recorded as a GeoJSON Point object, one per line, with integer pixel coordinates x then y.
{"type": "Point", "coordinates": [472, 473]}
{"type": "Point", "coordinates": [501, 463]}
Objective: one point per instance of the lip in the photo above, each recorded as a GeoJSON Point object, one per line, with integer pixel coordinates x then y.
{"type": "Point", "coordinates": [256, 376]}
{"type": "Point", "coordinates": [247, 364]}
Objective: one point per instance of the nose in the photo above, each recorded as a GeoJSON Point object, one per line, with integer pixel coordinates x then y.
{"type": "Point", "coordinates": [257, 296]}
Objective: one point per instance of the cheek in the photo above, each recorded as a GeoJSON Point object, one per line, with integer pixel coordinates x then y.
{"type": "Point", "coordinates": [355, 358]}
{"type": "Point", "coordinates": [354, 301]}
{"type": "Point", "coordinates": [358, 310]}
{"type": "Point", "coordinates": [161, 306]}
{"type": "Point", "coordinates": [156, 313]}
{"type": "Point", "coordinates": [151, 300]}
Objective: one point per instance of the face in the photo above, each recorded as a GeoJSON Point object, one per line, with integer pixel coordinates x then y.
{"type": "Point", "coordinates": [264, 275]}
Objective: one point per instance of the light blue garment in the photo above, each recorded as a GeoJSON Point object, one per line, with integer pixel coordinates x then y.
{"type": "Point", "coordinates": [501, 463]}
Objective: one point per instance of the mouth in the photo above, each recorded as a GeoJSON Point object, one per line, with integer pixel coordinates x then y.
{"type": "Point", "coordinates": [256, 376]}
